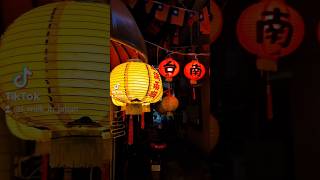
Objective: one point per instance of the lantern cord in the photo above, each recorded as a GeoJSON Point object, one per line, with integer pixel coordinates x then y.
{"type": "Point", "coordinates": [191, 35]}
{"type": "Point", "coordinates": [167, 91]}
{"type": "Point", "coordinates": [177, 52]}
{"type": "Point", "coordinates": [269, 100]}
{"type": "Point", "coordinates": [142, 121]}
{"type": "Point", "coordinates": [194, 93]}
{"type": "Point", "coordinates": [103, 172]}
{"type": "Point", "coordinates": [44, 167]}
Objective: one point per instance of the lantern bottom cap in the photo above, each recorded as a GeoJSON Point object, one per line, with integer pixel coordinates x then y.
{"type": "Point", "coordinates": [193, 82]}
{"type": "Point", "coordinates": [77, 149]}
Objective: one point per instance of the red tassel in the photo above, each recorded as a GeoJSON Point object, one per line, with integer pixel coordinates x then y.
{"type": "Point", "coordinates": [130, 131]}
{"type": "Point", "coordinates": [142, 121]}
{"type": "Point", "coordinates": [193, 93]}
{"type": "Point", "coordinates": [104, 172]}
{"type": "Point", "coordinates": [269, 103]}
{"type": "Point", "coordinates": [44, 167]}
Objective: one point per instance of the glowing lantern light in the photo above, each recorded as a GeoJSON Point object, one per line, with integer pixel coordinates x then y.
{"type": "Point", "coordinates": [169, 68]}
{"type": "Point", "coordinates": [25, 132]}
{"type": "Point", "coordinates": [270, 29]}
{"type": "Point", "coordinates": [169, 104]}
{"type": "Point", "coordinates": [134, 86]}
{"type": "Point", "coordinates": [194, 71]}
{"type": "Point", "coordinates": [55, 76]}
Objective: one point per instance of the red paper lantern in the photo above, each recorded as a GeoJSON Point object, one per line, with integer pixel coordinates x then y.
{"type": "Point", "coordinates": [169, 68]}
{"type": "Point", "coordinates": [270, 29]}
{"type": "Point", "coordinates": [194, 71]}
{"type": "Point", "coordinates": [216, 21]}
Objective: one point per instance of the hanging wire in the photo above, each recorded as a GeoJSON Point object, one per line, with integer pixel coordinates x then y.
{"type": "Point", "coordinates": [157, 2]}
{"type": "Point", "coordinates": [176, 52]}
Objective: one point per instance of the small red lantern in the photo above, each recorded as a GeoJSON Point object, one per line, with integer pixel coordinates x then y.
{"type": "Point", "coordinates": [169, 68]}
{"type": "Point", "coordinates": [194, 71]}
{"type": "Point", "coordinates": [270, 29]}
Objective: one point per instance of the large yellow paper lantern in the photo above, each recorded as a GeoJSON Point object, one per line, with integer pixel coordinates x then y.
{"type": "Point", "coordinates": [135, 85]}
{"type": "Point", "coordinates": [55, 65]}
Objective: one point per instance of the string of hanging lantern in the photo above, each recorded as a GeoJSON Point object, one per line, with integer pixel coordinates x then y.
{"type": "Point", "coordinates": [178, 52]}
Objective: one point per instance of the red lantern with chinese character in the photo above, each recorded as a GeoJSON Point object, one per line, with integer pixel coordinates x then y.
{"type": "Point", "coordinates": [270, 29]}
{"type": "Point", "coordinates": [194, 71]}
{"type": "Point", "coordinates": [169, 68]}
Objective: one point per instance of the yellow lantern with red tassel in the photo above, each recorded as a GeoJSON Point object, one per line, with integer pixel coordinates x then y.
{"type": "Point", "coordinates": [134, 86]}
{"type": "Point", "coordinates": [194, 71]}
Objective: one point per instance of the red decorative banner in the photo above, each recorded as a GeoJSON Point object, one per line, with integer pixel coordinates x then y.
{"type": "Point", "coordinates": [162, 12]}
{"type": "Point", "coordinates": [204, 21]}
{"type": "Point", "coordinates": [177, 16]}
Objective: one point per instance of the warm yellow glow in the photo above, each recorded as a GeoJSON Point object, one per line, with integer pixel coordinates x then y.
{"type": "Point", "coordinates": [65, 45]}
{"type": "Point", "coordinates": [118, 103]}
{"type": "Point", "coordinates": [135, 83]}
{"type": "Point", "coordinates": [27, 133]}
